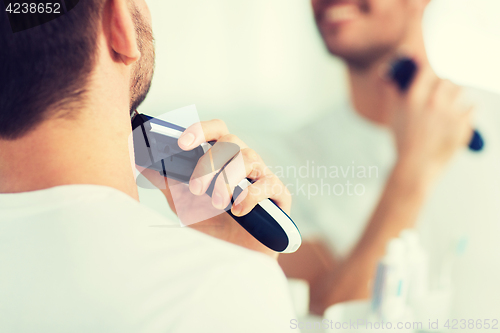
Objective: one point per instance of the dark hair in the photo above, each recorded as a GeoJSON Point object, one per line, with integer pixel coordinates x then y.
{"type": "Point", "coordinates": [44, 70]}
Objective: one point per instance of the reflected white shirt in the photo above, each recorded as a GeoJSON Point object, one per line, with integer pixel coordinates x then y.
{"type": "Point", "coordinates": [464, 206]}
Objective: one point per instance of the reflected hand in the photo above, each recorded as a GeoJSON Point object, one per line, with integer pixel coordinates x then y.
{"type": "Point", "coordinates": [430, 124]}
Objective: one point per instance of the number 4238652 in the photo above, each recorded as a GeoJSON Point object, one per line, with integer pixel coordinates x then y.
{"type": "Point", "coordinates": [33, 8]}
{"type": "Point", "coordinates": [485, 324]}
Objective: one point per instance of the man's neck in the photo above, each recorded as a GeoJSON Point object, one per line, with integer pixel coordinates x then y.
{"type": "Point", "coordinates": [89, 149]}
{"type": "Point", "coordinates": [369, 97]}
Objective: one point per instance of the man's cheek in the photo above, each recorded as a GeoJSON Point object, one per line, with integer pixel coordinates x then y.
{"type": "Point", "coordinates": [144, 8]}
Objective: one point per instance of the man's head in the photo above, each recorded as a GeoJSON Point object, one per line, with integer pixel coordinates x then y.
{"type": "Point", "coordinates": [46, 71]}
{"type": "Point", "coordinates": [363, 31]}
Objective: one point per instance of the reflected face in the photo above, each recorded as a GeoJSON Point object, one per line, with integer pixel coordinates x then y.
{"type": "Point", "coordinates": [362, 31]}
{"type": "Point", "coordinates": [144, 68]}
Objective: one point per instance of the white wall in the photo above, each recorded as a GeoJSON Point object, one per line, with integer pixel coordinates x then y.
{"type": "Point", "coordinates": [463, 41]}
{"type": "Point", "coordinates": [261, 58]}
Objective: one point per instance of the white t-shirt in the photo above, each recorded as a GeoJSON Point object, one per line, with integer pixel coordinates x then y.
{"type": "Point", "coordinates": [463, 211]}
{"type": "Point", "coordinates": [84, 258]}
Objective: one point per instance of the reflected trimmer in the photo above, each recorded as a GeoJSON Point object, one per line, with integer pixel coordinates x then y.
{"type": "Point", "coordinates": [403, 72]}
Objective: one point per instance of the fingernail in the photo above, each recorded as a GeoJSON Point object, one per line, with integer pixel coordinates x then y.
{"type": "Point", "coordinates": [196, 186]}
{"type": "Point", "coordinates": [237, 209]}
{"type": "Point", "coordinates": [187, 139]}
{"type": "Point", "coordinates": [217, 201]}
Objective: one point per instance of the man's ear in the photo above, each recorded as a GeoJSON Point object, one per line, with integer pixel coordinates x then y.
{"type": "Point", "coordinates": [123, 39]}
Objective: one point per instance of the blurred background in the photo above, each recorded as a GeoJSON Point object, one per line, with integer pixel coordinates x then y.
{"type": "Point", "coordinates": [260, 65]}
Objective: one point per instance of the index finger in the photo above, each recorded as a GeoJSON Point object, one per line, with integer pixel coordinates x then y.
{"type": "Point", "coordinates": [204, 131]}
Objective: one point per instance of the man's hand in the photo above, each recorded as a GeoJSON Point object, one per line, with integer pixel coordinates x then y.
{"type": "Point", "coordinates": [430, 124]}
{"type": "Point", "coordinates": [193, 205]}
